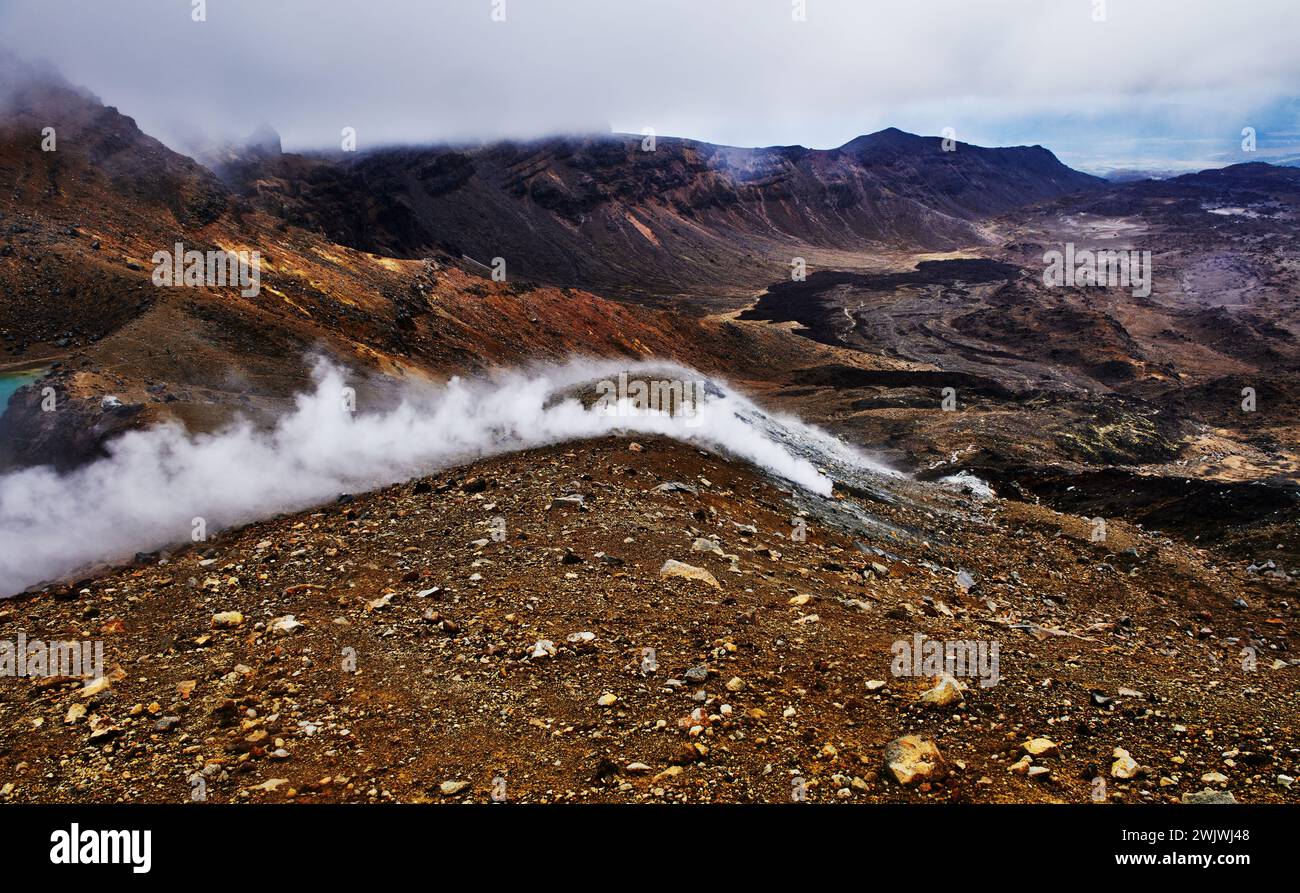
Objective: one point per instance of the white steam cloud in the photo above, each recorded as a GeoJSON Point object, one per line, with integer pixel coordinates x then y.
{"type": "Point", "coordinates": [146, 494]}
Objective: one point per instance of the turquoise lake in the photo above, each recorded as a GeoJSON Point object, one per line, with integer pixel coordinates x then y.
{"type": "Point", "coordinates": [12, 381]}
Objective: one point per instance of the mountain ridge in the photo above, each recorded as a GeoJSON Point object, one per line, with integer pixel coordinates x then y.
{"type": "Point", "coordinates": [735, 211]}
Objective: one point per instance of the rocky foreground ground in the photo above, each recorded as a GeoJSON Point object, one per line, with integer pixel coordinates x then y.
{"type": "Point", "coordinates": [515, 630]}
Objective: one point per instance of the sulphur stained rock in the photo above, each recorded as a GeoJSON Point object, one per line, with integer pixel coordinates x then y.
{"type": "Point", "coordinates": [673, 568]}
{"type": "Point", "coordinates": [1124, 766]}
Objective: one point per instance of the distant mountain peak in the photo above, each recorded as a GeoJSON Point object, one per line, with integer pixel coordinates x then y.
{"type": "Point", "coordinates": [890, 136]}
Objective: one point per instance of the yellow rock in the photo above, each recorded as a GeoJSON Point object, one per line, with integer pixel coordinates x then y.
{"type": "Point", "coordinates": [227, 620]}
{"type": "Point", "coordinates": [1124, 766]}
{"type": "Point", "coordinates": [94, 687]}
{"type": "Point", "coordinates": [1041, 747]}
{"type": "Point", "coordinates": [674, 568]}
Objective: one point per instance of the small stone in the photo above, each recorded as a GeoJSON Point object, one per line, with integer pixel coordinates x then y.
{"type": "Point", "coordinates": [735, 683]}
{"type": "Point", "coordinates": [1041, 747]}
{"type": "Point", "coordinates": [1209, 797]}
{"type": "Point", "coordinates": [101, 727]}
{"type": "Point", "coordinates": [1124, 766]}
{"type": "Point", "coordinates": [673, 568]}
{"type": "Point", "coordinates": [676, 487]}
{"type": "Point", "coordinates": [451, 788]}
{"type": "Point", "coordinates": [227, 620]}
{"type": "Point", "coordinates": [285, 626]}
{"type": "Point", "coordinates": [271, 784]}
{"type": "Point", "coordinates": [912, 759]}
{"type": "Point", "coordinates": [94, 687]}
{"type": "Point", "coordinates": [607, 699]}
{"type": "Point", "coordinates": [946, 693]}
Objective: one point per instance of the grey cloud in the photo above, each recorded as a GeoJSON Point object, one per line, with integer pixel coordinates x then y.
{"type": "Point", "coordinates": [736, 71]}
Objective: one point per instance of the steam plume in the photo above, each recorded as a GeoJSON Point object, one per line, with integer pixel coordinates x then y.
{"type": "Point", "coordinates": [146, 494]}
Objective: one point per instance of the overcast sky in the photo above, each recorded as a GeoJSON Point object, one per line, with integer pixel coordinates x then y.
{"type": "Point", "coordinates": [1156, 81]}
